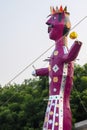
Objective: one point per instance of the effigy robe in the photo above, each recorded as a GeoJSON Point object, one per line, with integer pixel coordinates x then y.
{"type": "Point", "coordinates": [60, 72]}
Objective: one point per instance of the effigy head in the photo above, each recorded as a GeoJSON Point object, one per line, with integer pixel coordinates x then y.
{"type": "Point", "coordinates": [58, 23]}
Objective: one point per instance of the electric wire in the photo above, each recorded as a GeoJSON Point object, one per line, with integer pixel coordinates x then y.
{"type": "Point", "coordinates": [42, 54]}
{"type": "Point", "coordinates": [29, 65]}
{"type": "Point", "coordinates": [39, 58]}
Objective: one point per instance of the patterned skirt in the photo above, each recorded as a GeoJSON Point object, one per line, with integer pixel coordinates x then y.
{"type": "Point", "coordinates": [54, 113]}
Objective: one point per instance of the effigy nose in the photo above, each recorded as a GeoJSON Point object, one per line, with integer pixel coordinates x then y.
{"type": "Point", "coordinates": [48, 22]}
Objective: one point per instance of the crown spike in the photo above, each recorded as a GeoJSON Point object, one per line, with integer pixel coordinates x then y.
{"type": "Point", "coordinates": [54, 11]}
{"type": "Point", "coordinates": [65, 9]}
{"type": "Point", "coordinates": [57, 9]}
{"type": "Point", "coordinates": [51, 9]}
{"type": "Point", "coordinates": [61, 9]}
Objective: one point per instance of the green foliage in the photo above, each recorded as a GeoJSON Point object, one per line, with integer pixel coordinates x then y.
{"type": "Point", "coordinates": [22, 107]}
{"type": "Point", "coordinates": [79, 94]}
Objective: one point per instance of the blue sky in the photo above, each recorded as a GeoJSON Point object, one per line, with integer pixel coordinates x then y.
{"type": "Point", "coordinates": [23, 34]}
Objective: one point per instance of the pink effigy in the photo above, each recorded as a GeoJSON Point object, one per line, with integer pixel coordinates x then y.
{"type": "Point", "coordinates": [60, 71]}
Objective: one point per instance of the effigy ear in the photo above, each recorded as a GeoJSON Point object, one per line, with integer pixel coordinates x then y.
{"type": "Point", "coordinates": [68, 24]}
{"type": "Point", "coordinates": [67, 21]}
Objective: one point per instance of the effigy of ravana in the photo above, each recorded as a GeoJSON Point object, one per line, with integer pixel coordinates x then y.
{"type": "Point", "coordinates": [60, 71]}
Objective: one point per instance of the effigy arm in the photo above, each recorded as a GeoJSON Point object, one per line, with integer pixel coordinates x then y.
{"type": "Point", "coordinates": [73, 52]}
{"type": "Point", "coordinates": [42, 72]}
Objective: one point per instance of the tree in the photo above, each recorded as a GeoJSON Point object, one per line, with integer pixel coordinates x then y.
{"type": "Point", "coordinates": [79, 94]}
{"type": "Point", "coordinates": [22, 107]}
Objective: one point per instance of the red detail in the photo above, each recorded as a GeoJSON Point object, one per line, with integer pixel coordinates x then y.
{"type": "Point", "coordinates": [61, 9]}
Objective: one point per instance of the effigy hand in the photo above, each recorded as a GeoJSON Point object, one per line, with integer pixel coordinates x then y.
{"type": "Point", "coordinates": [34, 73]}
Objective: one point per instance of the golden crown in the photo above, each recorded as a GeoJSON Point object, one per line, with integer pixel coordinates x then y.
{"type": "Point", "coordinates": [60, 10]}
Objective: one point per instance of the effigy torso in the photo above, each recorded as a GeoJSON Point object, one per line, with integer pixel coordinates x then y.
{"type": "Point", "coordinates": [59, 91]}
{"type": "Point", "coordinates": [58, 69]}
{"type": "Point", "coordinates": [60, 72]}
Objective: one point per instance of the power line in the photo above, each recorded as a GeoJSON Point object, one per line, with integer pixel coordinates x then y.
{"type": "Point", "coordinates": [29, 65]}
{"type": "Point", "coordinates": [79, 22]}
{"type": "Point", "coordinates": [42, 54]}
{"type": "Point", "coordinates": [39, 58]}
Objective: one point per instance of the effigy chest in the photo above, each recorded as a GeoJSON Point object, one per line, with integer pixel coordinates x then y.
{"type": "Point", "coordinates": [56, 70]}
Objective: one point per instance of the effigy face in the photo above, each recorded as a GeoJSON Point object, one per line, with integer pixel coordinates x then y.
{"type": "Point", "coordinates": [58, 25]}
{"type": "Point", "coordinates": [55, 26]}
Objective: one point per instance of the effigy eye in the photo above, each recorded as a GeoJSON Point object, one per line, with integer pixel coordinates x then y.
{"type": "Point", "coordinates": [54, 17]}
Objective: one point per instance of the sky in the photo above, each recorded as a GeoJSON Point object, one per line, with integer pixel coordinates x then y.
{"type": "Point", "coordinates": [24, 37]}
